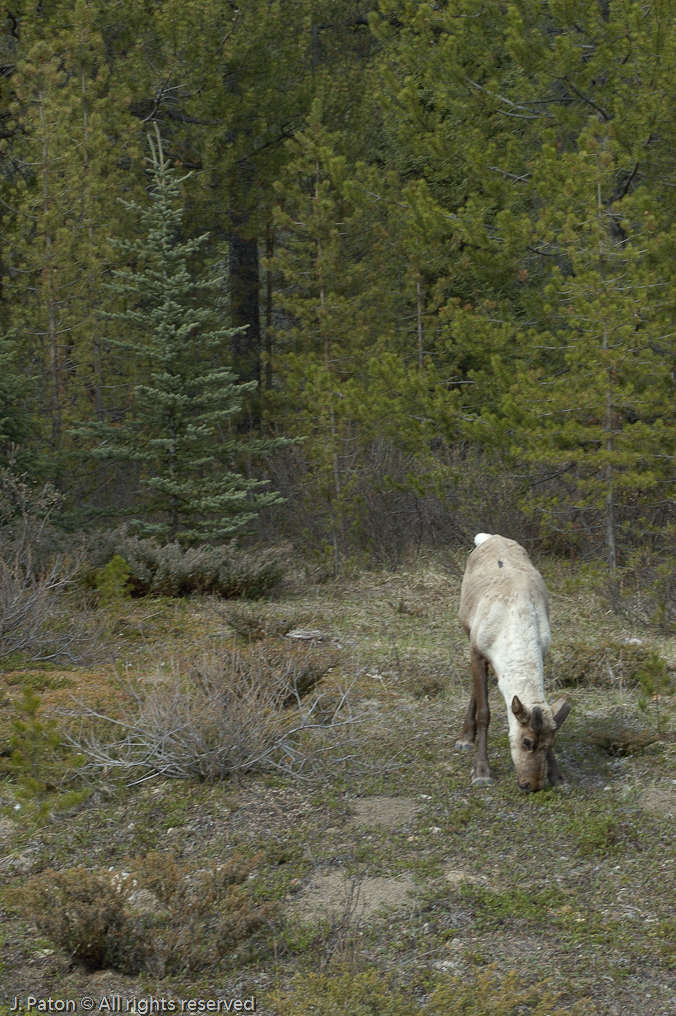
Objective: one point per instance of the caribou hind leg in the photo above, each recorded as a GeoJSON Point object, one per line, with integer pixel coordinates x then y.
{"type": "Point", "coordinates": [482, 770]}
{"type": "Point", "coordinates": [466, 739]}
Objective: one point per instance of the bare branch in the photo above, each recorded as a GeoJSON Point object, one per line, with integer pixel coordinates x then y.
{"type": "Point", "coordinates": [226, 714]}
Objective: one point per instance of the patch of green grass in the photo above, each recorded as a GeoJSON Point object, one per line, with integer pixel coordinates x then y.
{"type": "Point", "coordinates": [493, 908]}
{"type": "Point", "coordinates": [41, 681]}
{"type": "Point", "coordinates": [489, 994]}
{"type": "Point", "coordinates": [303, 938]}
{"type": "Point", "coordinates": [21, 661]}
{"type": "Point", "coordinates": [362, 994]}
{"type": "Point", "coordinates": [666, 942]}
{"type": "Point", "coordinates": [371, 993]}
{"type": "Point", "coordinates": [605, 833]}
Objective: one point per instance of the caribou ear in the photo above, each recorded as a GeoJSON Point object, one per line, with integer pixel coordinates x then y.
{"type": "Point", "coordinates": [536, 719]}
{"type": "Point", "coordinates": [519, 710]}
{"type": "Point", "coordinates": [561, 710]}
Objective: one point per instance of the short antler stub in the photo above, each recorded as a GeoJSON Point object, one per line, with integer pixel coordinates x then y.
{"type": "Point", "coordinates": [519, 710]}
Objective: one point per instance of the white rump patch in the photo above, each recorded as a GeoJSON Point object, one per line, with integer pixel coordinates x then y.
{"type": "Point", "coordinates": [481, 538]}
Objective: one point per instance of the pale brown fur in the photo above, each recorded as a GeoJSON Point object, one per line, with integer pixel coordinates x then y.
{"type": "Point", "coordinates": [504, 609]}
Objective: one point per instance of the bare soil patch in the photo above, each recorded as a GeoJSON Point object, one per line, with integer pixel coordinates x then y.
{"type": "Point", "coordinates": [389, 812]}
{"type": "Point", "coordinates": [659, 801]}
{"type": "Point", "coordinates": [456, 876]}
{"type": "Point", "coordinates": [331, 893]}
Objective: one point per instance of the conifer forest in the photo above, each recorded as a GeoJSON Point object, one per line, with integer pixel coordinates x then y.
{"type": "Point", "coordinates": [411, 265]}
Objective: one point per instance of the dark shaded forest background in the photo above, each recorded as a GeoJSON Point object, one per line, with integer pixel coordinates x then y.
{"type": "Point", "coordinates": [447, 228]}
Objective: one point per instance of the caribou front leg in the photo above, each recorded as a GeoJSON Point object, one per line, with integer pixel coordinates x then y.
{"type": "Point", "coordinates": [482, 770]}
{"type": "Point", "coordinates": [554, 774]}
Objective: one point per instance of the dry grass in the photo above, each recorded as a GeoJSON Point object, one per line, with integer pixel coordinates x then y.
{"type": "Point", "coordinates": [253, 622]}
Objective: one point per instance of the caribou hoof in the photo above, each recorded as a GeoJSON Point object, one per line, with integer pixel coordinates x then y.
{"type": "Point", "coordinates": [482, 781]}
{"type": "Point", "coordinates": [463, 745]}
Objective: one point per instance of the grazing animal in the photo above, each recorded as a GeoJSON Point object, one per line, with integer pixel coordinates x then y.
{"type": "Point", "coordinates": [505, 611]}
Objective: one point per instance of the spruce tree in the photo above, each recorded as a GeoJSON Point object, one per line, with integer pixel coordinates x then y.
{"type": "Point", "coordinates": [177, 430]}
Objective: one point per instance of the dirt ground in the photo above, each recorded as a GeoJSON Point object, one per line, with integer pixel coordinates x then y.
{"type": "Point", "coordinates": [392, 862]}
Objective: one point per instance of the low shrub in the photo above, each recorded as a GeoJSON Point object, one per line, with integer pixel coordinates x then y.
{"type": "Point", "coordinates": [224, 713]}
{"type": "Point", "coordinates": [35, 573]}
{"type": "Point", "coordinates": [83, 913]}
{"type": "Point", "coordinates": [163, 915]}
{"type": "Point", "coordinates": [254, 623]}
{"type": "Point", "coordinates": [295, 670]}
{"type": "Point", "coordinates": [618, 738]}
{"type": "Point", "coordinates": [36, 619]}
{"type": "Point", "coordinates": [170, 570]}
{"type": "Point", "coordinates": [206, 913]}
{"type": "Point", "coordinates": [580, 664]}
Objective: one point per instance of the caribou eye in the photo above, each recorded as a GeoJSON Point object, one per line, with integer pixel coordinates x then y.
{"type": "Point", "coordinates": [528, 744]}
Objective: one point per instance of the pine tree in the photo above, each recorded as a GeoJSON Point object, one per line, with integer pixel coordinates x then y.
{"type": "Point", "coordinates": [177, 430]}
{"type": "Point", "coordinates": [598, 411]}
{"type": "Point", "coordinates": [352, 377]}
{"type": "Point", "coordinates": [38, 766]}
{"type": "Point", "coordinates": [71, 132]}
{"type": "Point", "coordinates": [15, 422]}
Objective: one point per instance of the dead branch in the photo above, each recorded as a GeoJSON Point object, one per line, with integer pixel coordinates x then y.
{"type": "Point", "coordinates": [217, 719]}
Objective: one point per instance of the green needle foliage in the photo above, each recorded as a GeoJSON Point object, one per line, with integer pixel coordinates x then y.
{"type": "Point", "coordinates": [113, 581]}
{"type": "Point", "coordinates": [59, 184]}
{"type": "Point", "coordinates": [449, 237]}
{"type": "Point", "coordinates": [598, 411]}
{"type": "Point", "coordinates": [656, 682]}
{"type": "Point", "coordinates": [15, 422]}
{"type": "Point", "coordinates": [178, 429]}
{"type": "Point", "coordinates": [37, 766]}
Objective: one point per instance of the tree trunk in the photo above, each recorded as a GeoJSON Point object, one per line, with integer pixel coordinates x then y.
{"type": "Point", "coordinates": [611, 542]}
{"type": "Point", "coordinates": [96, 338]}
{"type": "Point", "coordinates": [421, 362]}
{"type": "Point", "coordinates": [269, 250]}
{"type": "Point", "coordinates": [48, 274]}
{"type": "Point", "coordinates": [244, 278]}
{"type": "Point", "coordinates": [244, 286]}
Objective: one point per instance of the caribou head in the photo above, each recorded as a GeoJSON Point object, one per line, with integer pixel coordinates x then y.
{"type": "Point", "coordinates": [531, 739]}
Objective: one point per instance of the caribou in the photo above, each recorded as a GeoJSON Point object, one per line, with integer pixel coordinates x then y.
{"type": "Point", "coordinates": [505, 611]}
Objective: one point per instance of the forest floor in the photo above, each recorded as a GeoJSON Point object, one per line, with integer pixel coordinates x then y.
{"type": "Point", "coordinates": [391, 866]}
